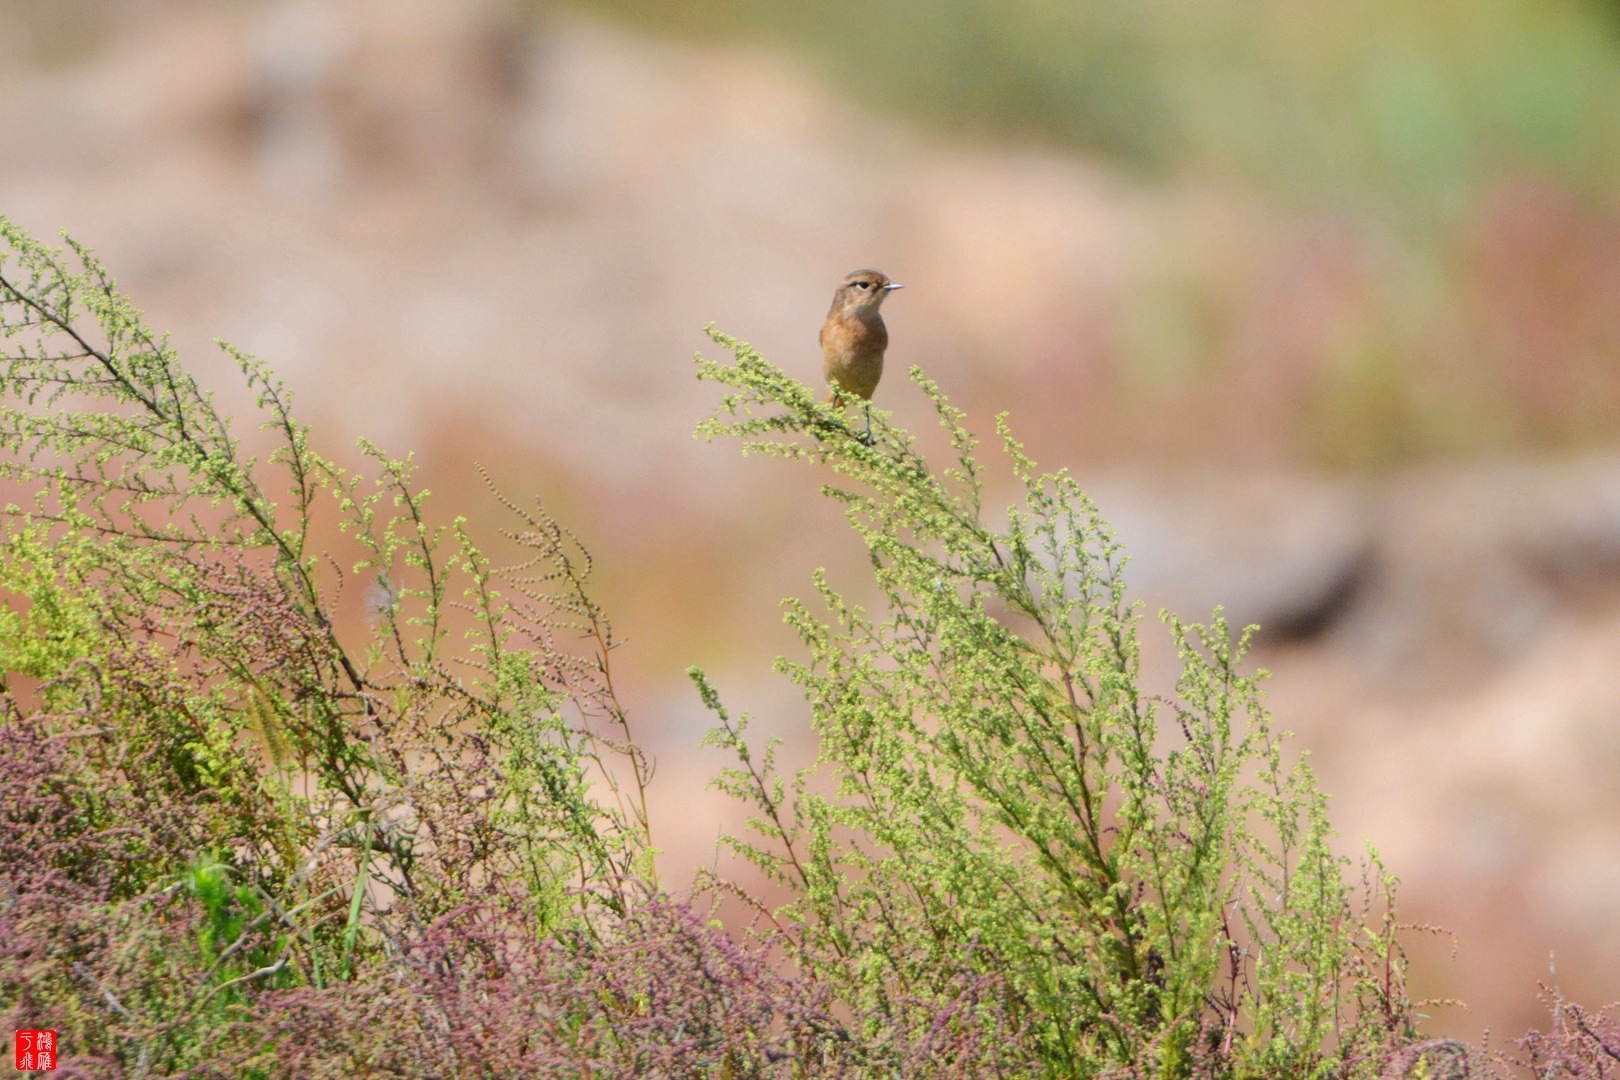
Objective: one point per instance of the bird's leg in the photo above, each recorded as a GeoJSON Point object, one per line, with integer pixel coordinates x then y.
{"type": "Point", "coordinates": [836, 400]}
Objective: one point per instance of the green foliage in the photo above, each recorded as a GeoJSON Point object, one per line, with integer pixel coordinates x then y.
{"type": "Point", "coordinates": [229, 912]}
{"type": "Point", "coordinates": [297, 792]}
{"type": "Point", "coordinates": [1152, 879]}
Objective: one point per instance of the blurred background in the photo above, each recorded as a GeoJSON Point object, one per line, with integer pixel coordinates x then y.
{"type": "Point", "coordinates": [1322, 302]}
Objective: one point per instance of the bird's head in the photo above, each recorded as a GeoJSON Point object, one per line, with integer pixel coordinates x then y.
{"type": "Point", "coordinates": [863, 291]}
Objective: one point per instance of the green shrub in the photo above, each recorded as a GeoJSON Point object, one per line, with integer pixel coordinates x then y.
{"type": "Point", "coordinates": [1153, 881]}
{"type": "Point", "coordinates": [230, 796]}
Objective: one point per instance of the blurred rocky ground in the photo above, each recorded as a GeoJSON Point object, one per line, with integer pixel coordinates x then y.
{"type": "Point", "coordinates": [494, 237]}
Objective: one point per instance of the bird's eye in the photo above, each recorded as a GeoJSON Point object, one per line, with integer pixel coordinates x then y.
{"type": "Point", "coordinates": [863, 284]}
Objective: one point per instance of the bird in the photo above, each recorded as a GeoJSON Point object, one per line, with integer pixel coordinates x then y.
{"type": "Point", "coordinates": [854, 338]}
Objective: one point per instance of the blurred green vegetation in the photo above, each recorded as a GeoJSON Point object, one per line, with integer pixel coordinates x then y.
{"type": "Point", "coordinates": [1377, 103]}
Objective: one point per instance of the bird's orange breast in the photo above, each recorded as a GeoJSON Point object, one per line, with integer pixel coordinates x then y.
{"type": "Point", "coordinates": [852, 349]}
{"type": "Point", "coordinates": [851, 338]}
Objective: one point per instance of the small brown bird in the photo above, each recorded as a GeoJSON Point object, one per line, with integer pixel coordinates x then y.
{"type": "Point", "coordinates": [853, 337]}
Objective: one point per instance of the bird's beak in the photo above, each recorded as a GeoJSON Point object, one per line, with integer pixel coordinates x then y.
{"type": "Point", "coordinates": [893, 285]}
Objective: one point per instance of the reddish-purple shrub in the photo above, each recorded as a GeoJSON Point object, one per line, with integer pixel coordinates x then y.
{"type": "Point", "coordinates": [1581, 1044]}
{"type": "Point", "coordinates": [658, 992]}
